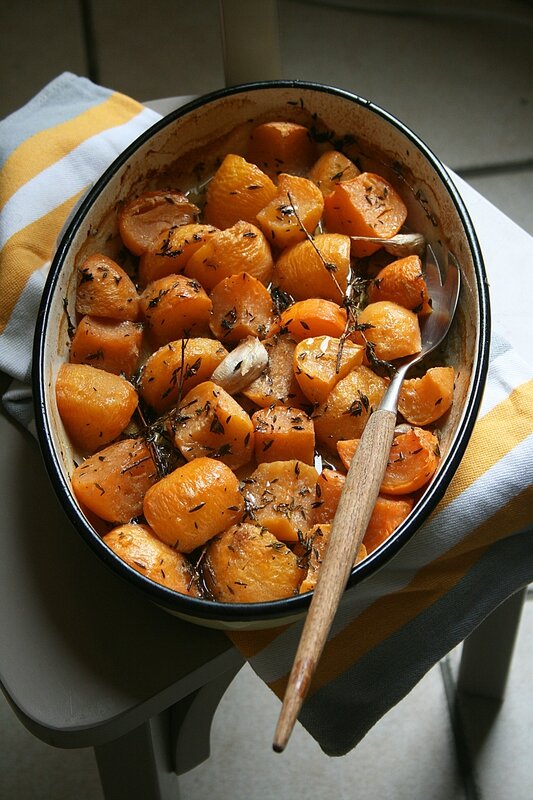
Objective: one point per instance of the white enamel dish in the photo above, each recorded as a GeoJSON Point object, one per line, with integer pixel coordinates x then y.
{"type": "Point", "coordinates": [169, 154]}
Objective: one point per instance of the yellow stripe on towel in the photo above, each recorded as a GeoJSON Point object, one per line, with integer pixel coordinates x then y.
{"type": "Point", "coordinates": [252, 642]}
{"type": "Point", "coordinates": [46, 147]}
{"type": "Point", "coordinates": [494, 435]}
{"type": "Point", "coordinates": [27, 251]}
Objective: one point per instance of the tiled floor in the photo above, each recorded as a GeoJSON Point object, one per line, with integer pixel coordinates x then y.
{"type": "Point", "coordinates": [460, 73]}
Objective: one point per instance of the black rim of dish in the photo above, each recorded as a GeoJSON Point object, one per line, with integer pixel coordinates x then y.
{"type": "Point", "coordinates": [291, 606]}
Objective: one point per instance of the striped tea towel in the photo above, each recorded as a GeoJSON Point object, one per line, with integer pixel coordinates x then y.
{"type": "Point", "coordinates": [51, 152]}
{"type": "Point", "coordinates": [473, 552]}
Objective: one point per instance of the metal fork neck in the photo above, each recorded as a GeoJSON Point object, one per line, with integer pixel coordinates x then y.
{"type": "Point", "coordinates": [389, 401]}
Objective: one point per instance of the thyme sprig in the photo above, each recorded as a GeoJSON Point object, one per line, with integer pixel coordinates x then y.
{"type": "Point", "coordinates": [159, 434]}
{"type": "Point", "coordinates": [328, 265]}
{"type": "Point", "coordinates": [351, 301]}
{"type": "Point", "coordinates": [331, 268]}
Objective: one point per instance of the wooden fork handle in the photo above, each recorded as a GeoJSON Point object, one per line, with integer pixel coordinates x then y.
{"type": "Point", "coordinates": [351, 520]}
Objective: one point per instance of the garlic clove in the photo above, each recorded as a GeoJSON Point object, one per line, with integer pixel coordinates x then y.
{"type": "Point", "coordinates": [403, 244]}
{"type": "Point", "coordinates": [241, 366]}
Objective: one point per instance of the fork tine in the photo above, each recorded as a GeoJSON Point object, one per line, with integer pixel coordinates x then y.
{"type": "Point", "coordinates": [452, 264]}
{"type": "Point", "coordinates": [444, 293]}
{"type": "Point", "coordinates": [433, 268]}
{"type": "Point", "coordinates": [453, 280]}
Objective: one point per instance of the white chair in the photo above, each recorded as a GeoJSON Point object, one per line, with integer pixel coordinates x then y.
{"type": "Point", "coordinates": [85, 660]}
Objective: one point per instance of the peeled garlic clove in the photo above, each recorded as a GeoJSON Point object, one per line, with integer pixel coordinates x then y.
{"type": "Point", "coordinates": [242, 366]}
{"type": "Point", "coordinates": [403, 244]}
